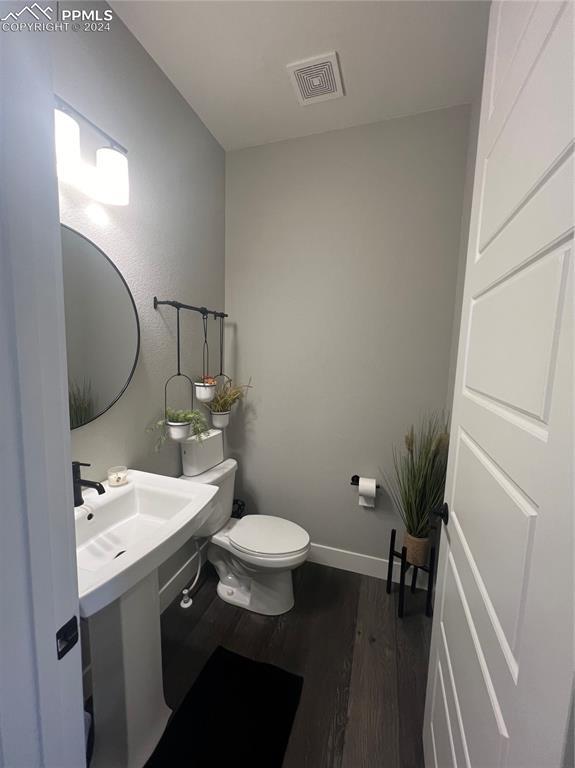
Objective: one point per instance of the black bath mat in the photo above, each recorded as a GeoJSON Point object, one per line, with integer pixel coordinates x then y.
{"type": "Point", "coordinates": [238, 712]}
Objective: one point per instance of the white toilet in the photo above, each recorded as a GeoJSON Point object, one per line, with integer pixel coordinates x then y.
{"type": "Point", "coordinates": [253, 556]}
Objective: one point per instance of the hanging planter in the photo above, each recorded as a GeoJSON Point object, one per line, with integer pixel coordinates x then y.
{"type": "Point", "coordinates": [220, 420]}
{"type": "Point", "coordinates": [177, 430]}
{"type": "Point", "coordinates": [178, 424]}
{"type": "Point", "coordinates": [205, 389]}
{"type": "Point", "coordinates": [225, 397]}
{"type": "Point", "coordinates": [206, 386]}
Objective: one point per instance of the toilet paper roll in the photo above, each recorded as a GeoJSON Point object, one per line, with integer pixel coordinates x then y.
{"type": "Point", "coordinates": [367, 489]}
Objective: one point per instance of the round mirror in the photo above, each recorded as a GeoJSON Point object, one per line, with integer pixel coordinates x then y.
{"type": "Point", "coordinates": [102, 329]}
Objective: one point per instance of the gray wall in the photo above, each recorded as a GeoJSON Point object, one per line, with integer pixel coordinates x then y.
{"type": "Point", "coordinates": [169, 241]}
{"type": "Point", "coordinates": [342, 252]}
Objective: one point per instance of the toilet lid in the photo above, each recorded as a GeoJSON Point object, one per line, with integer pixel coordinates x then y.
{"type": "Point", "coordinates": [268, 535]}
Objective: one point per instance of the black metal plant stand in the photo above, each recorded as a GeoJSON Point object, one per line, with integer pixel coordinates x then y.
{"type": "Point", "coordinates": [441, 512]}
{"type": "Point", "coordinates": [404, 568]}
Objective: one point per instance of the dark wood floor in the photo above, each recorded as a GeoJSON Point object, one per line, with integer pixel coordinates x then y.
{"type": "Point", "coordinates": [364, 670]}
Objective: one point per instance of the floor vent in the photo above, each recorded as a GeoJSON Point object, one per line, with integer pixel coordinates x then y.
{"type": "Point", "coordinates": [316, 79]}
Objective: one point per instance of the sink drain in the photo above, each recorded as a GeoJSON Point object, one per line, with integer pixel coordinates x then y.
{"type": "Point", "coordinates": [121, 552]}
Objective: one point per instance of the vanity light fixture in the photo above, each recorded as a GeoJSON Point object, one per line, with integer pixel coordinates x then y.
{"type": "Point", "coordinates": [67, 134]}
{"type": "Point", "coordinates": [108, 180]}
{"type": "Point", "coordinates": [113, 177]}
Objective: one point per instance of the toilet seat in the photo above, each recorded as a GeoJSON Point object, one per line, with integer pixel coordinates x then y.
{"type": "Point", "coordinates": [267, 535]}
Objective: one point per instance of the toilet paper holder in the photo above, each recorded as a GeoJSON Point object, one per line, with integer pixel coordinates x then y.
{"type": "Point", "coordinates": [355, 481]}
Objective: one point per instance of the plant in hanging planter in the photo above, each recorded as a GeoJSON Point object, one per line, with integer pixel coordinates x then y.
{"type": "Point", "coordinates": [418, 484]}
{"type": "Point", "coordinates": [224, 398]}
{"type": "Point", "coordinates": [178, 425]}
{"type": "Point", "coordinates": [205, 389]}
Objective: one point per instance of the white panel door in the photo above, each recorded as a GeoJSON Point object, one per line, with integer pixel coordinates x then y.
{"type": "Point", "coordinates": [41, 703]}
{"type": "Point", "coordinates": [501, 665]}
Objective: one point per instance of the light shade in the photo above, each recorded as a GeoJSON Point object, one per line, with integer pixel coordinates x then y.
{"type": "Point", "coordinates": [113, 185]}
{"type": "Point", "coordinates": [67, 137]}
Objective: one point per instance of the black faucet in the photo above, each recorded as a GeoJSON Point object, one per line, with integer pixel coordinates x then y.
{"type": "Point", "coordinates": [78, 482]}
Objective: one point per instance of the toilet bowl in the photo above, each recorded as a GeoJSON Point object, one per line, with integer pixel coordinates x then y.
{"type": "Point", "coordinates": [253, 556]}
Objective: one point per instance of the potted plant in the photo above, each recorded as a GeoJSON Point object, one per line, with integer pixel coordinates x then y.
{"type": "Point", "coordinates": [223, 400]}
{"type": "Point", "coordinates": [178, 424]}
{"type": "Point", "coordinates": [418, 484]}
{"type": "Point", "coordinates": [205, 389]}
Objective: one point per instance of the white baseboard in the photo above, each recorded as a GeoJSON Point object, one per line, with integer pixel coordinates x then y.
{"type": "Point", "coordinates": [367, 565]}
{"type": "Point", "coordinates": [181, 578]}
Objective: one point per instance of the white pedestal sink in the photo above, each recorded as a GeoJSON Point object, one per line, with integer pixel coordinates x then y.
{"type": "Point", "coordinates": [121, 539]}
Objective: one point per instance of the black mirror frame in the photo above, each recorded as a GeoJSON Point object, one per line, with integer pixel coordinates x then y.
{"type": "Point", "coordinates": [137, 355]}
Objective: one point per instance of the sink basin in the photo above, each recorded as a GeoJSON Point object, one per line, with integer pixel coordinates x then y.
{"type": "Point", "coordinates": [122, 537]}
{"type": "Point", "coordinates": [127, 532]}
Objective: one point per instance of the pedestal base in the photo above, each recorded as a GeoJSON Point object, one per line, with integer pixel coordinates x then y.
{"type": "Point", "coordinates": [130, 713]}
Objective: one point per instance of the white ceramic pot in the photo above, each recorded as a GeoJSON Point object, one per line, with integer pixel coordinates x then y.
{"type": "Point", "coordinates": [205, 392]}
{"type": "Point", "coordinates": [221, 420]}
{"type": "Point", "coordinates": [178, 430]}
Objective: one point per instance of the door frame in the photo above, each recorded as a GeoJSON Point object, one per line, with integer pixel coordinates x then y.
{"type": "Point", "coordinates": [41, 701]}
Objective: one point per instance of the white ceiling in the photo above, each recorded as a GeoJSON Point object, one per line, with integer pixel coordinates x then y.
{"type": "Point", "coordinates": [228, 59]}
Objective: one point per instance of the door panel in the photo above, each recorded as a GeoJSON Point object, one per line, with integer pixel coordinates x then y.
{"type": "Point", "coordinates": [478, 700]}
{"type": "Point", "coordinates": [510, 354]}
{"type": "Point", "coordinates": [443, 749]}
{"type": "Point", "coordinates": [502, 647]}
{"type": "Point", "coordinates": [512, 21]}
{"type": "Point", "coordinates": [499, 653]}
{"type": "Point", "coordinates": [486, 498]}
{"type": "Point", "coordinates": [452, 709]}
{"type": "Point", "coordinates": [546, 220]}
{"type": "Point", "coordinates": [518, 160]}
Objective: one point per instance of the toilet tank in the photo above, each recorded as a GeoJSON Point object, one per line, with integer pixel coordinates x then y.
{"type": "Point", "coordinates": [223, 475]}
{"type": "Point", "coordinates": [199, 455]}
{"type": "Point", "coordinates": [203, 462]}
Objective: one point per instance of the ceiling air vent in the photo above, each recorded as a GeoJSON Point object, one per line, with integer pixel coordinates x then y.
{"type": "Point", "coordinates": [316, 79]}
